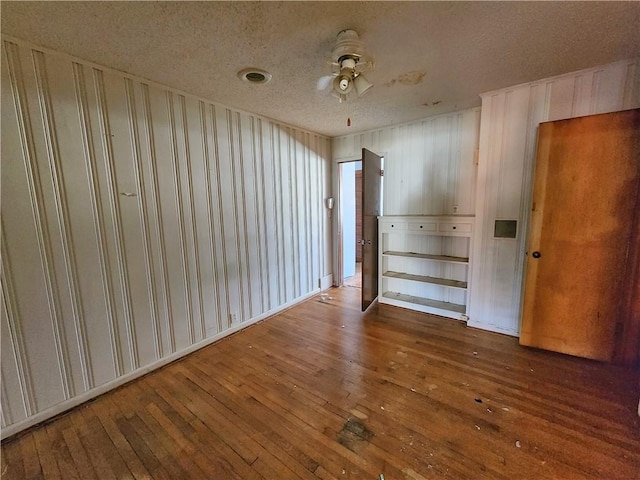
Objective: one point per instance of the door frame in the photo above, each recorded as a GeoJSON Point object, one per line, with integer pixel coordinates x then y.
{"type": "Point", "coordinates": [338, 268]}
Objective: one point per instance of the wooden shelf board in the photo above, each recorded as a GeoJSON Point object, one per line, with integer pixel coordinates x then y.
{"type": "Point", "coordinates": [427, 302]}
{"type": "Point", "coordinates": [440, 258]}
{"type": "Point", "coordinates": [445, 282]}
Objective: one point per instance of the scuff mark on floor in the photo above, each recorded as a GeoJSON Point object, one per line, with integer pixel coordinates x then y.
{"type": "Point", "coordinates": [354, 434]}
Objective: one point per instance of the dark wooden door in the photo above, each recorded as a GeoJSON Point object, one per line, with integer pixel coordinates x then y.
{"type": "Point", "coordinates": [359, 216]}
{"type": "Point", "coordinates": [371, 185]}
{"type": "Point", "coordinates": [584, 199]}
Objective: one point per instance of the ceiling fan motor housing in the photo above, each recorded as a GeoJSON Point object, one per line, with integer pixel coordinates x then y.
{"type": "Point", "coordinates": [348, 45]}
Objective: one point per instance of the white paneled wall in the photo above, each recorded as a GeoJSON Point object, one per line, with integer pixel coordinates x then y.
{"type": "Point", "coordinates": [138, 224]}
{"type": "Point", "coordinates": [508, 136]}
{"type": "Point", "coordinates": [429, 165]}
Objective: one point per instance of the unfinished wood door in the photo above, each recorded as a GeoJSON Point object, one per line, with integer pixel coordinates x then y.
{"type": "Point", "coordinates": [585, 191]}
{"type": "Point", "coordinates": [371, 172]}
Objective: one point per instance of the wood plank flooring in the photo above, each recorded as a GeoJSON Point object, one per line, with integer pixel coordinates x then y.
{"type": "Point", "coordinates": [322, 391]}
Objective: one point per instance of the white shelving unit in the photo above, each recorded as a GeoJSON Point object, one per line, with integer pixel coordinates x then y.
{"type": "Point", "coordinates": [425, 263]}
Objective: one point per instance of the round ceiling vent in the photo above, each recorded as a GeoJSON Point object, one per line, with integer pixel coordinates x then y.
{"type": "Point", "coordinates": [254, 75]}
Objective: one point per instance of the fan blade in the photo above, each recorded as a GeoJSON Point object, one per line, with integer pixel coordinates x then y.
{"type": "Point", "coordinates": [324, 82]}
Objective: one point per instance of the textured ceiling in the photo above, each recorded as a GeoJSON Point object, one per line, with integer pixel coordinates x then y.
{"type": "Point", "coordinates": [426, 53]}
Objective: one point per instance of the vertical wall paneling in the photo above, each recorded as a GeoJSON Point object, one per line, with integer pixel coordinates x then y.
{"type": "Point", "coordinates": [436, 178]}
{"type": "Point", "coordinates": [285, 210]}
{"type": "Point", "coordinates": [81, 361]}
{"type": "Point", "coordinates": [299, 228]}
{"type": "Point", "coordinates": [303, 213]}
{"type": "Point", "coordinates": [208, 234]}
{"type": "Point", "coordinates": [401, 198]}
{"type": "Point", "coordinates": [192, 155]}
{"type": "Point", "coordinates": [253, 184]}
{"type": "Point", "coordinates": [269, 209]}
{"type": "Point", "coordinates": [222, 275]}
{"type": "Point", "coordinates": [292, 230]}
{"type": "Point", "coordinates": [236, 161]}
{"type": "Point", "coordinates": [167, 341]}
{"type": "Point", "coordinates": [259, 202]}
{"type": "Point", "coordinates": [143, 214]}
{"type": "Point", "coordinates": [301, 201]}
{"type": "Point", "coordinates": [285, 207]}
{"type": "Point", "coordinates": [325, 223]}
{"type": "Point", "coordinates": [237, 222]}
{"type": "Point", "coordinates": [314, 205]}
{"type": "Point", "coordinates": [261, 206]}
{"type": "Point", "coordinates": [136, 221]}
{"type": "Point", "coordinates": [106, 287]}
{"type": "Point", "coordinates": [14, 352]}
{"type": "Point", "coordinates": [510, 118]}
{"type": "Point", "coordinates": [429, 164]}
{"type": "Point", "coordinates": [129, 244]}
{"type": "Point", "coordinates": [106, 106]}
{"type": "Point", "coordinates": [179, 208]}
{"type": "Point", "coordinates": [251, 272]}
{"type": "Point", "coordinates": [6, 416]}
{"type": "Point", "coordinates": [307, 212]}
{"type": "Point", "coordinates": [48, 389]}
{"type": "Point", "coordinates": [317, 208]}
{"type": "Point", "coordinates": [279, 210]}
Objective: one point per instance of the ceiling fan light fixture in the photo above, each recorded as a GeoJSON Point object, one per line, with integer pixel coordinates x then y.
{"type": "Point", "coordinates": [343, 84]}
{"type": "Point", "coordinates": [350, 61]}
{"type": "Point", "coordinates": [361, 85]}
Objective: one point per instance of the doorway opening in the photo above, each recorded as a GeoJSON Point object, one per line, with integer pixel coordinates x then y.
{"type": "Point", "coordinates": [360, 183]}
{"type": "Point", "coordinates": [351, 223]}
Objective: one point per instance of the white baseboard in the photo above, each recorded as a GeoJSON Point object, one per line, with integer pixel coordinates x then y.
{"type": "Point", "coordinates": [492, 328]}
{"type": "Point", "coordinates": [94, 392]}
{"type": "Point", "coordinates": [326, 281]}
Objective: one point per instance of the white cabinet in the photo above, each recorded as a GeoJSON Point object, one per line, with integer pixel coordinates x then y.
{"type": "Point", "coordinates": [425, 263]}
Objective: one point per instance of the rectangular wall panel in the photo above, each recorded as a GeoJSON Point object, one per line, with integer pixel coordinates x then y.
{"type": "Point", "coordinates": [139, 222]}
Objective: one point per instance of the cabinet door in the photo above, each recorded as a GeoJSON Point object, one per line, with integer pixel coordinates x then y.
{"type": "Point", "coordinates": [585, 190]}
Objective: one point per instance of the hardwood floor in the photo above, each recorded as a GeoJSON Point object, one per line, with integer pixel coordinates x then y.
{"type": "Point", "coordinates": [324, 391]}
{"type": "Point", "coordinates": [355, 280]}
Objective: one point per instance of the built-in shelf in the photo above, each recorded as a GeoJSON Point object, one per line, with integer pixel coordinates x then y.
{"type": "Point", "coordinates": [427, 256]}
{"type": "Point", "coordinates": [425, 263]}
{"type": "Point", "coordinates": [426, 279]}
{"type": "Point", "coordinates": [425, 302]}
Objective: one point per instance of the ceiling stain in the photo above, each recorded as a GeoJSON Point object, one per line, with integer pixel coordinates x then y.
{"type": "Point", "coordinates": [409, 78]}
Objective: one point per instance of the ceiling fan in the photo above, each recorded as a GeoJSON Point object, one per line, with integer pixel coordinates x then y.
{"type": "Point", "coordinates": [349, 61]}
